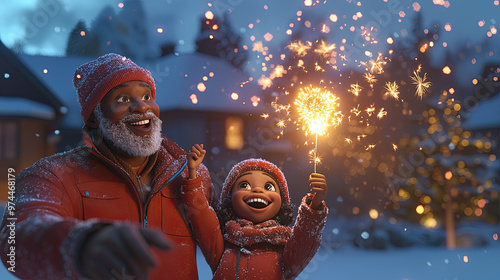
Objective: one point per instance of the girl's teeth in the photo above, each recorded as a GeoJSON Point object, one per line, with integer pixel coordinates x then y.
{"type": "Point", "coordinates": [257, 200]}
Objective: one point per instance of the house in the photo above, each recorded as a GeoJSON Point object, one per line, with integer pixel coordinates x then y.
{"type": "Point", "coordinates": [29, 112]}
{"type": "Point", "coordinates": [202, 99]}
{"type": "Point", "coordinates": [485, 119]}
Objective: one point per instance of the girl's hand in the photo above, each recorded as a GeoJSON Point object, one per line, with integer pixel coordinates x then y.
{"type": "Point", "coordinates": [195, 157]}
{"type": "Point", "coordinates": [317, 183]}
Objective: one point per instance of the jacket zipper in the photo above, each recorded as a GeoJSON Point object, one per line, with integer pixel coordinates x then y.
{"type": "Point", "coordinates": [146, 207]}
{"type": "Point", "coordinates": [144, 210]}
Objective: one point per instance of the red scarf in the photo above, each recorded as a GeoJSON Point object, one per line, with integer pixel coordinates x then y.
{"type": "Point", "coordinates": [241, 232]}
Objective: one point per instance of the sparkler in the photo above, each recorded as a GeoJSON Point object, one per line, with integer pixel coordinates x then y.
{"type": "Point", "coordinates": [317, 110]}
{"type": "Point", "coordinates": [317, 106]}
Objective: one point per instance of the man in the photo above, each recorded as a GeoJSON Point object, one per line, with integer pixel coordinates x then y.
{"type": "Point", "coordinates": [110, 209]}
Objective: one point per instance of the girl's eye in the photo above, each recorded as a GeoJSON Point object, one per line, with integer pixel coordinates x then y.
{"type": "Point", "coordinates": [146, 97]}
{"type": "Point", "coordinates": [270, 187]}
{"type": "Point", "coordinates": [244, 185]}
{"type": "Point", "coordinates": [123, 99]}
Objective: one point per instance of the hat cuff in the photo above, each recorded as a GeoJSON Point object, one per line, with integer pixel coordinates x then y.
{"type": "Point", "coordinates": [112, 80]}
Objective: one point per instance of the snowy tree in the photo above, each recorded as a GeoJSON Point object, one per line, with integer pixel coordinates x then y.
{"type": "Point", "coordinates": [455, 174]}
{"type": "Point", "coordinates": [217, 38]}
{"type": "Point", "coordinates": [125, 33]}
{"type": "Point", "coordinates": [79, 43]}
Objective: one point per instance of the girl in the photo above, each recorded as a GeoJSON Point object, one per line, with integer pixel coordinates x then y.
{"type": "Point", "coordinates": [254, 213]}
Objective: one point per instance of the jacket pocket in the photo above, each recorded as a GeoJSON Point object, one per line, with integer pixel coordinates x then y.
{"type": "Point", "coordinates": [173, 217]}
{"type": "Point", "coordinates": [110, 201]}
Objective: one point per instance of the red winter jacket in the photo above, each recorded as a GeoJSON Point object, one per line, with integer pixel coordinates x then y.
{"type": "Point", "coordinates": [60, 197]}
{"type": "Point", "coordinates": [258, 261]}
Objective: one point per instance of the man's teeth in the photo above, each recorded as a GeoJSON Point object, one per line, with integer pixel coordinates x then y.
{"type": "Point", "coordinates": [144, 122]}
{"type": "Point", "coordinates": [257, 200]}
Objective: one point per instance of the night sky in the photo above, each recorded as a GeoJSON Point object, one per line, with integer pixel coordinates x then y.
{"type": "Point", "coordinates": [44, 25]}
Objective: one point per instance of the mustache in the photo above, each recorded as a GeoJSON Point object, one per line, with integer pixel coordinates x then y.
{"type": "Point", "coordinates": [138, 116]}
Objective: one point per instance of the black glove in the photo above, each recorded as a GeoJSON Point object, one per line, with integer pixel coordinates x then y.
{"type": "Point", "coordinates": [120, 248]}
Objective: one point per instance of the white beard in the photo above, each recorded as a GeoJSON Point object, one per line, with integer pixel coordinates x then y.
{"type": "Point", "coordinates": [124, 139]}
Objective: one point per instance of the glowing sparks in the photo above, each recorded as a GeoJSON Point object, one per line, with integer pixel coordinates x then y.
{"type": "Point", "coordinates": [375, 66]}
{"type": "Point", "coordinates": [355, 89]}
{"type": "Point", "coordinates": [369, 147]}
{"type": "Point", "coordinates": [348, 140]}
{"type": "Point", "coordinates": [421, 83]}
{"type": "Point", "coordinates": [395, 147]}
{"type": "Point", "coordinates": [324, 49]}
{"type": "Point", "coordinates": [317, 110]}
{"type": "Point", "coordinates": [392, 89]}
{"type": "Point", "coordinates": [299, 48]}
{"type": "Point", "coordinates": [381, 113]}
{"type": "Point", "coordinates": [265, 116]}
{"type": "Point", "coordinates": [370, 78]}
{"type": "Point", "coordinates": [370, 110]}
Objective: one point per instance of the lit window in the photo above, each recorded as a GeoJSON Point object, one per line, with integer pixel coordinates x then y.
{"type": "Point", "coordinates": [234, 133]}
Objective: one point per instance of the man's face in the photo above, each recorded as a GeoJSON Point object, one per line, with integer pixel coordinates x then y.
{"type": "Point", "coordinates": [256, 196]}
{"type": "Point", "coordinates": [133, 97]}
{"type": "Point", "coordinates": [128, 118]}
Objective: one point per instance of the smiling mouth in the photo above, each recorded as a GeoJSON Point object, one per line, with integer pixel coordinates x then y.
{"type": "Point", "coordinates": [258, 203]}
{"type": "Point", "coordinates": [141, 124]}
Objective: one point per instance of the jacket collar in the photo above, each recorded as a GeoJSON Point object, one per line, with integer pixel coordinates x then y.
{"type": "Point", "coordinates": [171, 159]}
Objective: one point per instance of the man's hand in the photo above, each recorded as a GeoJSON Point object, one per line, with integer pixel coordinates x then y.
{"type": "Point", "coordinates": [120, 248]}
{"type": "Point", "coordinates": [317, 184]}
{"type": "Point", "coordinates": [195, 157]}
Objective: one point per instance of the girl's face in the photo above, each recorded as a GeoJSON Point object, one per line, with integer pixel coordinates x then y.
{"type": "Point", "coordinates": [256, 197]}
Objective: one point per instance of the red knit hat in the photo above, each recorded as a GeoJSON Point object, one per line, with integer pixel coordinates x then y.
{"type": "Point", "coordinates": [255, 164]}
{"type": "Point", "coordinates": [94, 79]}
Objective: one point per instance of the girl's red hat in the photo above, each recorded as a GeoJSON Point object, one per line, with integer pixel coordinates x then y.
{"type": "Point", "coordinates": [255, 164]}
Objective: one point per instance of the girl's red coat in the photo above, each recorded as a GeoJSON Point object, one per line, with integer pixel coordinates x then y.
{"type": "Point", "coordinates": [259, 261]}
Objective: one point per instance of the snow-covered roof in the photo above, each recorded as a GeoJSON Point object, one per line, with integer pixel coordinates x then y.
{"type": "Point", "coordinates": [10, 106]}
{"type": "Point", "coordinates": [176, 76]}
{"type": "Point", "coordinates": [485, 115]}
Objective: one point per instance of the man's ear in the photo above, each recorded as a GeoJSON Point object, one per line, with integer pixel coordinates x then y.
{"type": "Point", "coordinates": [92, 121]}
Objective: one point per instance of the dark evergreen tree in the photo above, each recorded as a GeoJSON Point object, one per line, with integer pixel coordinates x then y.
{"type": "Point", "coordinates": [78, 40]}
{"type": "Point", "coordinates": [217, 38]}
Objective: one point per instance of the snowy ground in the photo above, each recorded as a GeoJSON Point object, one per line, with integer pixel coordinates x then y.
{"type": "Point", "coordinates": [416, 263]}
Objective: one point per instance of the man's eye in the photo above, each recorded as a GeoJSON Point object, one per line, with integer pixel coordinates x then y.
{"type": "Point", "coordinates": [146, 97]}
{"type": "Point", "coordinates": [123, 99]}
{"type": "Point", "coordinates": [244, 185]}
{"type": "Point", "coordinates": [270, 187]}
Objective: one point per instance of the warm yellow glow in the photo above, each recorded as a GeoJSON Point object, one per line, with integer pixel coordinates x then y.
{"type": "Point", "coordinates": [446, 70]}
{"type": "Point", "coordinates": [317, 110]}
{"type": "Point", "coordinates": [234, 133]}
{"type": "Point", "coordinates": [373, 214]}
{"type": "Point", "coordinates": [420, 209]}
{"type": "Point", "coordinates": [428, 222]}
